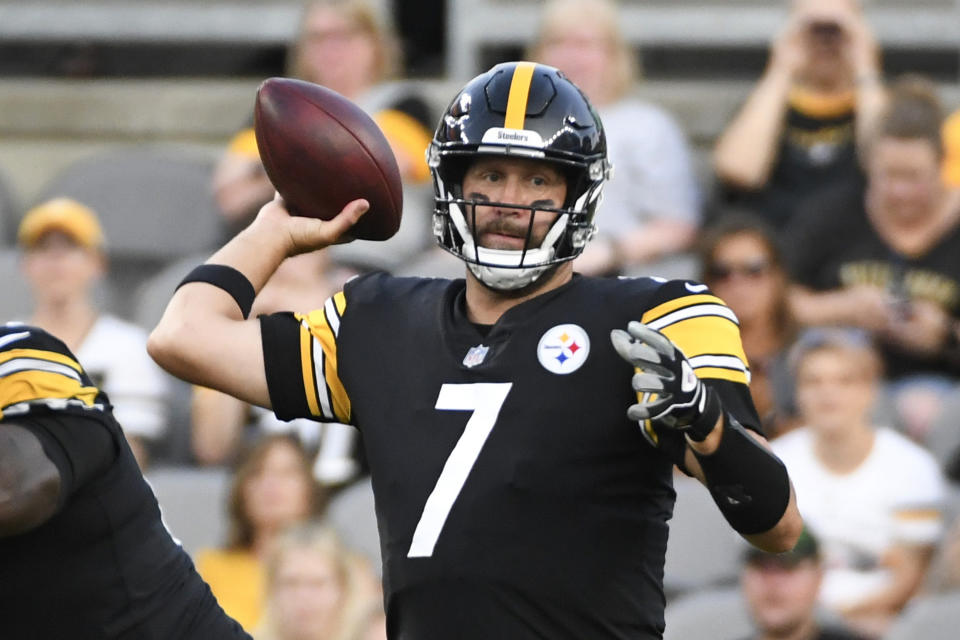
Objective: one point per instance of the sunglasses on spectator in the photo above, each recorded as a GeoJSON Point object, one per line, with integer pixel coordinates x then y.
{"type": "Point", "coordinates": [753, 269]}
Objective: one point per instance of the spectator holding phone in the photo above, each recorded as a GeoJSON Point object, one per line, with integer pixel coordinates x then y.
{"type": "Point", "coordinates": [799, 129]}
{"type": "Point", "coordinates": [887, 262]}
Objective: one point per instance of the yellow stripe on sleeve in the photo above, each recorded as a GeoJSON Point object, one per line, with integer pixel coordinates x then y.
{"type": "Point", "coordinates": [320, 330]}
{"type": "Point", "coordinates": [706, 335]}
{"type": "Point", "coordinates": [31, 385]}
{"type": "Point", "coordinates": [519, 95]}
{"type": "Point", "coordinates": [306, 365]}
{"type": "Point", "coordinates": [40, 354]}
{"type": "Point", "coordinates": [678, 303]}
{"type": "Point", "coordinates": [340, 300]}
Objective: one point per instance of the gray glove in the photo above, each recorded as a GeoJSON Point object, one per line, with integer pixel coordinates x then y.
{"type": "Point", "coordinates": [669, 392]}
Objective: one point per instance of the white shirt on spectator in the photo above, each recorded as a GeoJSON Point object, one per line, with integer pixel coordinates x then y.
{"type": "Point", "coordinates": [893, 497]}
{"type": "Point", "coordinates": [114, 355]}
{"type": "Point", "coordinates": [652, 173]}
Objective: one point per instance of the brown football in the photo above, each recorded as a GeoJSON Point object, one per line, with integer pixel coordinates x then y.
{"type": "Point", "coordinates": [321, 151]}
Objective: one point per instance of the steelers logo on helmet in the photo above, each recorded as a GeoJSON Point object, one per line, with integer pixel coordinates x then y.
{"type": "Point", "coordinates": [563, 349]}
{"type": "Point", "coordinates": [528, 110]}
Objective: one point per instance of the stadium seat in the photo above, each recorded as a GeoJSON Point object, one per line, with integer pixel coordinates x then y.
{"type": "Point", "coordinates": [15, 302]}
{"type": "Point", "coordinates": [155, 204]}
{"type": "Point", "coordinates": [931, 617]}
{"type": "Point", "coordinates": [9, 213]}
{"type": "Point", "coordinates": [702, 550]}
{"type": "Point", "coordinates": [193, 503]}
{"type": "Point", "coordinates": [152, 295]}
{"type": "Point", "coordinates": [713, 614]}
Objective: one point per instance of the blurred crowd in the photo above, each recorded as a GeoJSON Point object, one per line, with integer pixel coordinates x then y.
{"type": "Point", "coordinates": [830, 225]}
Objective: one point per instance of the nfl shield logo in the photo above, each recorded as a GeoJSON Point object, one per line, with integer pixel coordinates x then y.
{"type": "Point", "coordinates": [475, 356]}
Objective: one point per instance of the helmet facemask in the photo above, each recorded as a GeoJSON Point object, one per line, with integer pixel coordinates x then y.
{"type": "Point", "coordinates": [455, 227]}
{"type": "Point", "coordinates": [518, 110]}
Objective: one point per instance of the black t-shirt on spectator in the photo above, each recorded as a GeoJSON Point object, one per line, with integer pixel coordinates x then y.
{"type": "Point", "coordinates": [832, 244]}
{"type": "Point", "coordinates": [817, 151]}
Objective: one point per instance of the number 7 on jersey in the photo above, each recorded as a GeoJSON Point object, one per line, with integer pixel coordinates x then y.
{"type": "Point", "coordinates": [484, 399]}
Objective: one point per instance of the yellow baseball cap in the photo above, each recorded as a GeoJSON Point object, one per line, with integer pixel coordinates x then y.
{"type": "Point", "coordinates": [61, 214]}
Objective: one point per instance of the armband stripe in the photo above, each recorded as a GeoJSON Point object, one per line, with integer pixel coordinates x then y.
{"type": "Point", "coordinates": [678, 303]}
{"type": "Point", "coordinates": [31, 385]}
{"type": "Point", "coordinates": [696, 311]}
{"type": "Point", "coordinates": [33, 364]}
{"type": "Point", "coordinates": [320, 374]}
{"type": "Point", "coordinates": [718, 373]}
{"type": "Point", "coordinates": [308, 368]}
{"type": "Point", "coordinates": [332, 316]}
{"type": "Point", "coordinates": [40, 354]}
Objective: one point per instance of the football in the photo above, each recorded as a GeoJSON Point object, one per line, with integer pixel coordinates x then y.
{"type": "Point", "coordinates": [321, 151]}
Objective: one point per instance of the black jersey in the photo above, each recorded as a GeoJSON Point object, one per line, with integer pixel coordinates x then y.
{"type": "Point", "coordinates": [514, 498]}
{"type": "Point", "coordinates": [103, 566]}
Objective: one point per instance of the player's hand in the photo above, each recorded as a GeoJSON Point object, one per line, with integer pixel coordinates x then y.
{"type": "Point", "coordinates": [668, 391]}
{"type": "Point", "coordinates": [302, 234]}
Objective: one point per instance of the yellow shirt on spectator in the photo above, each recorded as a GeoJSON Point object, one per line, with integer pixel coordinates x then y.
{"type": "Point", "coordinates": [236, 579]}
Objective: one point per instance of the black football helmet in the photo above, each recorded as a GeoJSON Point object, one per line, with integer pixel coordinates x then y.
{"type": "Point", "coordinates": [518, 109]}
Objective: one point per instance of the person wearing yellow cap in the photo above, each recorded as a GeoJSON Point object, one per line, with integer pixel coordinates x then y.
{"type": "Point", "coordinates": [63, 259]}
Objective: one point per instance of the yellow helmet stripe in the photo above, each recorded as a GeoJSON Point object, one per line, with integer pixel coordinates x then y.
{"type": "Point", "coordinates": [519, 93]}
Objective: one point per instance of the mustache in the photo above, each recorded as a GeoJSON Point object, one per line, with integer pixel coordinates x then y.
{"type": "Point", "coordinates": [505, 225]}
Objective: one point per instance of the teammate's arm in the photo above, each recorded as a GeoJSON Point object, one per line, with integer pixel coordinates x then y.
{"type": "Point", "coordinates": [203, 338]}
{"type": "Point", "coordinates": [29, 481]}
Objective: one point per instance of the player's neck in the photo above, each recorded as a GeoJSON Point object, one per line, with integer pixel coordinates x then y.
{"type": "Point", "coordinates": [486, 305]}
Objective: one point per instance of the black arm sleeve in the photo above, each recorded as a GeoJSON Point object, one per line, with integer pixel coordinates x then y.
{"type": "Point", "coordinates": [81, 447]}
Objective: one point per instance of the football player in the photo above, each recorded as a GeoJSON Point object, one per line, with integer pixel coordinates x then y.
{"type": "Point", "coordinates": [83, 552]}
{"type": "Point", "coordinates": [521, 424]}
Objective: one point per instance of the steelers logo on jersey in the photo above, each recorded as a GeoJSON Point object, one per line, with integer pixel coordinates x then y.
{"type": "Point", "coordinates": [563, 349]}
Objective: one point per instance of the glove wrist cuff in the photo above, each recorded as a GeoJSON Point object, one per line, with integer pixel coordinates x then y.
{"type": "Point", "coordinates": [704, 424]}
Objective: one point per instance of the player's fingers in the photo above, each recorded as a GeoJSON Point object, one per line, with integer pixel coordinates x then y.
{"type": "Point", "coordinates": [641, 411]}
{"type": "Point", "coordinates": [340, 224]}
{"type": "Point", "coordinates": [652, 337]}
{"type": "Point", "coordinates": [647, 382]}
{"type": "Point", "coordinates": [636, 353]}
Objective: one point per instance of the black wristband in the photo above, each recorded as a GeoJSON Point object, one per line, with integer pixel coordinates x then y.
{"type": "Point", "coordinates": [703, 425]}
{"type": "Point", "coordinates": [228, 279]}
{"type": "Point", "coordinates": [749, 484]}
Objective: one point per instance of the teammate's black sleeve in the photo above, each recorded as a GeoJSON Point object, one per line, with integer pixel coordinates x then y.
{"type": "Point", "coordinates": [81, 447]}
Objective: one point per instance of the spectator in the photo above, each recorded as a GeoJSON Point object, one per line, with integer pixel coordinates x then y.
{"type": "Point", "coordinates": [887, 262]}
{"type": "Point", "coordinates": [346, 46]}
{"type": "Point", "coordinates": [316, 588]}
{"type": "Point", "coordinates": [272, 489]}
{"type": "Point", "coordinates": [870, 495]}
{"type": "Point", "coordinates": [63, 259]}
{"type": "Point", "coordinates": [781, 592]}
{"type": "Point", "coordinates": [222, 425]}
{"type": "Point", "coordinates": [651, 205]}
{"type": "Point", "coordinates": [799, 129]}
{"type": "Point", "coordinates": [373, 625]}
{"type": "Point", "coordinates": [741, 262]}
